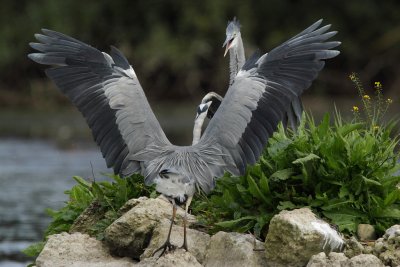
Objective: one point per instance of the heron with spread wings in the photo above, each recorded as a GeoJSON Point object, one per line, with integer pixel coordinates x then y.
{"type": "Point", "coordinates": [106, 90]}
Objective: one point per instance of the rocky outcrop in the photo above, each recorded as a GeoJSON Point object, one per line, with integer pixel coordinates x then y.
{"type": "Point", "coordinates": [130, 234]}
{"type": "Point", "coordinates": [176, 258]}
{"type": "Point", "coordinates": [332, 260]}
{"type": "Point", "coordinates": [78, 250]}
{"type": "Point", "coordinates": [234, 249]}
{"type": "Point", "coordinates": [340, 260]}
{"type": "Point", "coordinates": [197, 241]}
{"type": "Point", "coordinates": [387, 248]}
{"type": "Point", "coordinates": [294, 236]}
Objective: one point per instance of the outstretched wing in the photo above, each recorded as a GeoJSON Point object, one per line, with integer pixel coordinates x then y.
{"type": "Point", "coordinates": [107, 92]}
{"type": "Point", "coordinates": [262, 92]}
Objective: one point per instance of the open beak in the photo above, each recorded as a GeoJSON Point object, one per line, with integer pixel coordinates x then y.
{"type": "Point", "coordinates": [227, 44]}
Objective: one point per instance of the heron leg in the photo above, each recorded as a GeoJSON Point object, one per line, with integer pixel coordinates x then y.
{"type": "Point", "coordinates": [184, 246]}
{"type": "Point", "coordinates": [167, 244]}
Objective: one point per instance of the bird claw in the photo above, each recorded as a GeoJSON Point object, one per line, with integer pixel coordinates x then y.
{"type": "Point", "coordinates": [167, 246]}
{"type": "Point", "coordinates": [184, 246]}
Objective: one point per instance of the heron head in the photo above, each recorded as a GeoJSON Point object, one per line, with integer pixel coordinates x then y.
{"type": "Point", "coordinates": [232, 32]}
{"type": "Point", "coordinates": [203, 107]}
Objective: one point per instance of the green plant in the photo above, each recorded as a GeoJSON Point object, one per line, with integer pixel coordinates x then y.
{"type": "Point", "coordinates": [109, 198]}
{"type": "Point", "coordinates": [344, 172]}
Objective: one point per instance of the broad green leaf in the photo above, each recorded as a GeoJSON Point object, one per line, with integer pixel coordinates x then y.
{"type": "Point", "coordinates": [232, 223]}
{"type": "Point", "coordinates": [389, 212]}
{"type": "Point", "coordinates": [282, 174]}
{"type": "Point", "coordinates": [82, 181]}
{"type": "Point", "coordinates": [255, 190]}
{"type": "Point", "coordinates": [286, 205]}
{"type": "Point", "coordinates": [370, 181]}
{"type": "Point", "coordinates": [392, 197]}
{"type": "Point", "coordinates": [348, 128]}
{"type": "Point", "coordinates": [264, 185]}
{"type": "Point", "coordinates": [305, 159]}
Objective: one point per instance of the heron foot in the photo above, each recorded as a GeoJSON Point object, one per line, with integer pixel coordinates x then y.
{"type": "Point", "coordinates": [167, 246]}
{"type": "Point", "coordinates": [184, 246]}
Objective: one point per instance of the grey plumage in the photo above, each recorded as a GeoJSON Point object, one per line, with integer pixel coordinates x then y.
{"type": "Point", "coordinates": [234, 45]}
{"type": "Point", "coordinates": [107, 92]}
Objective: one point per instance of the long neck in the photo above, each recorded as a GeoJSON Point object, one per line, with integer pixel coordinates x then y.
{"type": "Point", "coordinates": [198, 124]}
{"type": "Point", "coordinates": [236, 58]}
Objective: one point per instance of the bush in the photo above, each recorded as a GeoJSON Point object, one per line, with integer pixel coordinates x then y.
{"type": "Point", "coordinates": [345, 172]}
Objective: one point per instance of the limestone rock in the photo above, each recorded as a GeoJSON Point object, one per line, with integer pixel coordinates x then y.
{"type": "Point", "coordinates": [353, 247]}
{"type": "Point", "coordinates": [387, 248]}
{"type": "Point", "coordinates": [366, 232]}
{"type": "Point", "coordinates": [78, 250]}
{"type": "Point", "coordinates": [392, 231]}
{"type": "Point", "coordinates": [332, 260]}
{"type": "Point", "coordinates": [89, 217]}
{"type": "Point", "coordinates": [364, 260]}
{"type": "Point", "coordinates": [340, 260]}
{"type": "Point", "coordinates": [197, 241]}
{"type": "Point", "coordinates": [130, 234]}
{"type": "Point", "coordinates": [176, 258]}
{"type": "Point", "coordinates": [294, 236]}
{"type": "Point", "coordinates": [391, 257]}
{"type": "Point", "coordinates": [132, 203]}
{"type": "Point", "coordinates": [234, 249]}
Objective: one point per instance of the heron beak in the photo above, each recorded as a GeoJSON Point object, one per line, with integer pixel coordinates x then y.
{"type": "Point", "coordinates": [227, 44]}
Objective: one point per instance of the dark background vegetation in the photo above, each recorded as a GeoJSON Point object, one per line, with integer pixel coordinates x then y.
{"type": "Point", "coordinates": [175, 47]}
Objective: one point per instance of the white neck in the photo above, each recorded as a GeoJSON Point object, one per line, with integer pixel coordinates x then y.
{"type": "Point", "coordinates": [198, 124]}
{"type": "Point", "coordinates": [236, 58]}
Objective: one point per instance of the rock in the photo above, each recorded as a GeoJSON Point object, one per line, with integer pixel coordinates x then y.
{"type": "Point", "coordinates": [364, 260]}
{"type": "Point", "coordinates": [197, 241]}
{"type": "Point", "coordinates": [353, 247]}
{"type": "Point", "coordinates": [366, 232]}
{"type": "Point", "coordinates": [176, 258]}
{"type": "Point", "coordinates": [387, 248]}
{"type": "Point", "coordinates": [392, 231]}
{"type": "Point", "coordinates": [130, 234]}
{"type": "Point", "coordinates": [131, 203]}
{"type": "Point", "coordinates": [78, 250]}
{"type": "Point", "coordinates": [332, 260]}
{"type": "Point", "coordinates": [391, 257]}
{"type": "Point", "coordinates": [234, 249]}
{"type": "Point", "coordinates": [340, 260]}
{"type": "Point", "coordinates": [294, 236]}
{"type": "Point", "coordinates": [89, 217]}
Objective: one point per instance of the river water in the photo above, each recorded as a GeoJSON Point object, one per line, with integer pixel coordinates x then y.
{"type": "Point", "coordinates": [33, 177]}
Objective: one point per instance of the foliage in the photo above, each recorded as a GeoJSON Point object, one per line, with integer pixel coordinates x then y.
{"type": "Point", "coordinates": [109, 196]}
{"type": "Point", "coordinates": [345, 172]}
{"type": "Point", "coordinates": [175, 46]}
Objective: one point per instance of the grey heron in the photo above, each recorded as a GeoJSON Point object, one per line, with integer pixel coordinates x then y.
{"type": "Point", "coordinates": [106, 90]}
{"type": "Point", "coordinates": [234, 44]}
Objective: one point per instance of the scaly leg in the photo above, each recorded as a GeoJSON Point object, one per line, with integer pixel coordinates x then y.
{"type": "Point", "coordinates": [167, 244]}
{"type": "Point", "coordinates": [188, 201]}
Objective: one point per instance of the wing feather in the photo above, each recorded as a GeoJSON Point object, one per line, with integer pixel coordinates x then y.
{"type": "Point", "coordinates": [263, 92]}
{"type": "Point", "coordinates": [107, 92]}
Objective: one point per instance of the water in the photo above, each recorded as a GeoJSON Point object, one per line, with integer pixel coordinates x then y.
{"type": "Point", "coordinates": [33, 176]}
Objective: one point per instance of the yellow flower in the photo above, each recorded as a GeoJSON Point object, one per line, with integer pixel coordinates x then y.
{"type": "Point", "coordinates": [376, 127]}
{"type": "Point", "coordinates": [390, 101]}
{"type": "Point", "coordinates": [378, 85]}
{"type": "Point", "coordinates": [366, 97]}
{"type": "Point", "coordinates": [352, 76]}
{"type": "Point", "coordinates": [355, 108]}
